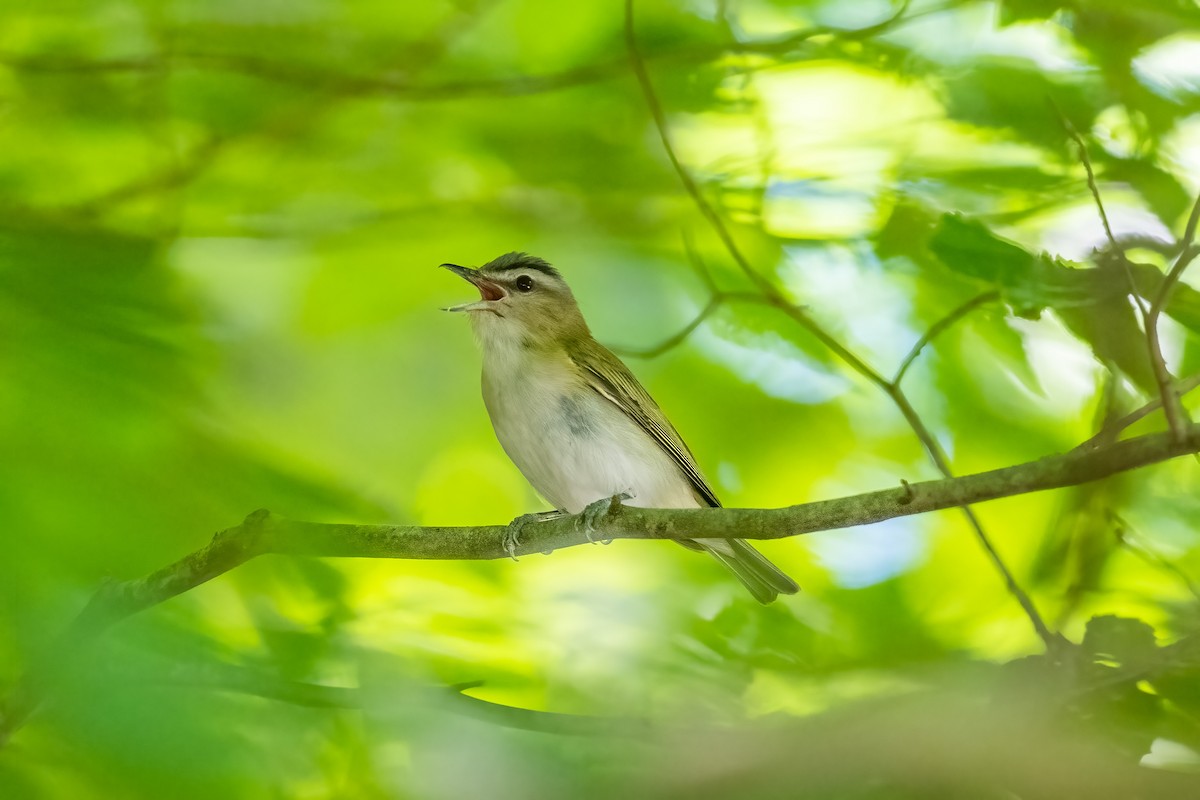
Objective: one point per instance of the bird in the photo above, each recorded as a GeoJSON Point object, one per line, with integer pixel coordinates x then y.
{"type": "Point", "coordinates": [573, 418]}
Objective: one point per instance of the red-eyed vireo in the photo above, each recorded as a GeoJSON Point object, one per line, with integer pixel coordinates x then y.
{"type": "Point", "coordinates": [575, 420]}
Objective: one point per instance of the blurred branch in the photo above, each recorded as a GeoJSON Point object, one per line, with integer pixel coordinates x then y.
{"type": "Point", "coordinates": [1141, 241]}
{"type": "Point", "coordinates": [257, 683]}
{"type": "Point", "coordinates": [637, 61]}
{"type": "Point", "coordinates": [772, 296]}
{"type": "Point", "coordinates": [264, 533]}
{"type": "Point", "coordinates": [400, 84]}
{"type": "Point", "coordinates": [1114, 244]}
{"type": "Point", "coordinates": [940, 327]}
{"type": "Point", "coordinates": [717, 297]}
{"type": "Point", "coordinates": [1112, 428]}
{"type": "Point", "coordinates": [295, 74]}
{"type": "Point", "coordinates": [327, 91]}
{"type": "Point", "coordinates": [1177, 417]}
{"type": "Point", "coordinates": [175, 176]}
{"type": "Point", "coordinates": [1154, 559]}
{"type": "Point", "coordinates": [675, 339]}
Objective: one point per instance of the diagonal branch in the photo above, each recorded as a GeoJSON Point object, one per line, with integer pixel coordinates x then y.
{"type": "Point", "coordinates": [236, 679]}
{"type": "Point", "coordinates": [715, 301]}
{"type": "Point", "coordinates": [175, 176]}
{"type": "Point", "coordinates": [1176, 415]}
{"type": "Point", "coordinates": [1113, 428]}
{"type": "Point", "coordinates": [264, 533]}
{"type": "Point", "coordinates": [400, 84]}
{"type": "Point", "coordinates": [774, 297]}
{"type": "Point", "coordinates": [1154, 559]}
{"type": "Point", "coordinates": [1172, 409]}
{"type": "Point", "coordinates": [677, 338]}
{"type": "Point", "coordinates": [940, 327]}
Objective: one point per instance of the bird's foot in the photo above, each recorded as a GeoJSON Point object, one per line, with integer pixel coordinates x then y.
{"type": "Point", "coordinates": [512, 535]}
{"type": "Point", "coordinates": [594, 512]}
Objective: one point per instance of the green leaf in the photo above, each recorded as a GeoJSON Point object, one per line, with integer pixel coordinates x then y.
{"type": "Point", "coordinates": [1009, 345]}
{"type": "Point", "coordinates": [1111, 327]}
{"type": "Point", "coordinates": [1091, 302]}
{"type": "Point", "coordinates": [1014, 94]}
{"type": "Point", "coordinates": [1012, 11]}
{"type": "Point", "coordinates": [1030, 283]}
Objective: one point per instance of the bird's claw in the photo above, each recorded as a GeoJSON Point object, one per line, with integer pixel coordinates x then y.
{"type": "Point", "coordinates": [594, 512]}
{"type": "Point", "coordinates": [512, 538]}
{"type": "Point", "coordinates": [512, 535]}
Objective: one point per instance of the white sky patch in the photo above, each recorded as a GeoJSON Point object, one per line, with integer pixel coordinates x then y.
{"type": "Point", "coordinates": [974, 31]}
{"type": "Point", "coordinates": [773, 364]}
{"type": "Point", "coordinates": [859, 14]}
{"type": "Point", "coordinates": [1181, 151]}
{"type": "Point", "coordinates": [870, 554]}
{"type": "Point", "coordinates": [1171, 67]}
{"type": "Point", "coordinates": [871, 308]}
{"type": "Point", "coordinates": [1116, 132]}
{"type": "Point", "coordinates": [819, 131]}
{"type": "Point", "coordinates": [1064, 366]}
{"type": "Point", "coordinates": [1075, 232]}
{"type": "Point", "coordinates": [800, 209]}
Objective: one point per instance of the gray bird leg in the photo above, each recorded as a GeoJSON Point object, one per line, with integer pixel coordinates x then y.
{"type": "Point", "coordinates": [594, 512]}
{"type": "Point", "coordinates": [512, 536]}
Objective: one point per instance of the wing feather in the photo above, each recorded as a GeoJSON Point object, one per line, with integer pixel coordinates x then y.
{"type": "Point", "coordinates": [613, 381]}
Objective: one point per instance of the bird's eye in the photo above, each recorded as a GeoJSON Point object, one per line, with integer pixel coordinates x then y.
{"type": "Point", "coordinates": [525, 283]}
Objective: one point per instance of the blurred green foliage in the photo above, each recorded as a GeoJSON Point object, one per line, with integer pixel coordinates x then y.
{"type": "Point", "coordinates": [217, 292]}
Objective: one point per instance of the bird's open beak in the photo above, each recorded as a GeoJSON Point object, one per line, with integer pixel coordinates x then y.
{"type": "Point", "coordinates": [489, 292]}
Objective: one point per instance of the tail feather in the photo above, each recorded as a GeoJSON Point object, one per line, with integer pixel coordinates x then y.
{"type": "Point", "coordinates": [764, 580]}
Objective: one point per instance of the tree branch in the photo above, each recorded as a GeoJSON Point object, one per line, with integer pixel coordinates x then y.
{"type": "Point", "coordinates": [1113, 428]}
{"type": "Point", "coordinates": [400, 84]}
{"type": "Point", "coordinates": [775, 298]}
{"type": "Point", "coordinates": [938, 328]}
{"type": "Point", "coordinates": [1154, 559]}
{"type": "Point", "coordinates": [263, 532]}
{"type": "Point", "coordinates": [1176, 419]}
{"type": "Point", "coordinates": [1176, 415]}
{"type": "Point", "coordinates": [677, 338]}
{"type": "Point", "coordinates": [258, 683]}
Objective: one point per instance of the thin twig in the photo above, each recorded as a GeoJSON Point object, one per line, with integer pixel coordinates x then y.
{"type": "Point", "coordinates": [384, 83]}
{"type": "Point", "coordinates": [718, 299]}
{"type": "Point", "coordinates": [938, 456]}
{"type": "Point", "coordinates": [775, 298]}
{"type": "Point", "coordinates": [939, 327]}
{"type": "Point", "coordinates": [699, 265]}
{"type": "Point", "coordinates": [660, 123]}
{"type": "Point", "coordinates": [675, 339]}
{"type": "Point", "coordinates": [1111, 430]}
{"type": "Point", "coordinates": [257, 683]}
{"type": "Point", "coordinates": [1154, 559]}
{"type": "Point", "coordinates": [1176, 415]}
{"type": "Point", "coordinates": [175, 176]}
{"type": "Point", "coordinates": [1162, 375]}
{"type": "Point", "coordinates": [329, 90]}
{"type": "Point", "coordinates": [1114, 244]}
